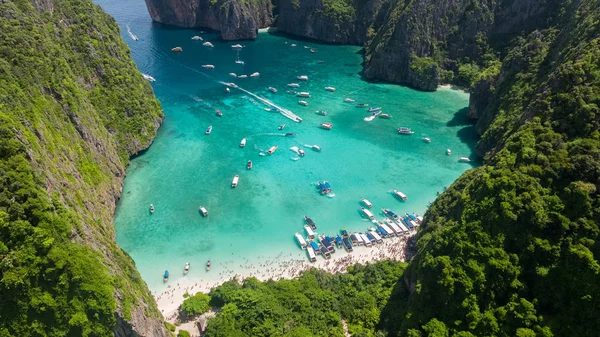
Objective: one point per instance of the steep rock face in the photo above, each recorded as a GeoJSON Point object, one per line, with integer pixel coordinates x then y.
{"type": "Point", "coordinates": [331, 21]}
{"type": "Point", "coordinates": [67, 130]}
{"type": "Point", "coordinates": [420, 36]}
{"type": "Point", "coordinates": [236, 20]}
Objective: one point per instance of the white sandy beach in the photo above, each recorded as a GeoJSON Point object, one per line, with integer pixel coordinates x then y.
{"type": "Point", "coordinates": [281, 266]}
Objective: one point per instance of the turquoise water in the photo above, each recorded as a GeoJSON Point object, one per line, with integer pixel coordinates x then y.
{"type": "Point", "coordinates": [185, 168]}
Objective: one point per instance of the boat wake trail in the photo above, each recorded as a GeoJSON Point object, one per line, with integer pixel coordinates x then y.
{"type": "Point", "coordinates": [287, 113]}
{"type": "Point", "coordinates": [133, 36]}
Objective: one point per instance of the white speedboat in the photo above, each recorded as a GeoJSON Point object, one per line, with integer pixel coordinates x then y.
{"type": "Point", "coordinates": [294, 45]}
{"type": "Point", "coordinates": [405, 131]}
{"type": "Point", "coordinates": [237, 46]}
{"type": "Point", "coordinates": [303, 94]}
{"type": "Point", "coordinates": [464, 160]}
{"type": "Point", "coordinates": [272, 149]}
{"type": "Point", "coordinates": [366, 202]}
{"type": "Point", "coordinates": [151, 209]}
{"type": "Point", "coordinates": [239, 62]}
{"type": "Point", "coordinates": [327, 126]}
{"type": "Point", "coordinates": [273, 90]}
{"type": "Point", "coordinates": [243, 76]}
{"type": "Point", "coordinates": [448, 152]}
{"type": "Point", "coordinates": [305, 103]}
{"type": "Point", "coordinates": [302, 78]}
{"type": "Point", "coordinates": [293, 85]}
{"type": "Point", "coordinates": [316, 148]}
{"type": "Point", "coordinates": [400, 195]}
{"type": "Point", "coordinates": [208, 66]}
{"type": "Point", "coordinates": [177, 49]}
{"type": "Point", "coordinates": [322, 112]}
{"type": "Point", "coordinates": [149, 78]}
{"type": "Point", "coordinates": [197, 38]}
{"type": "Point", "coordinates": [208, 130]}
{"type": "Point", "coordinates": [186, 269]}
{"type": "Point", "coordinates": [301, 152]}
{"type": "Point", "coordinates": [348, 100]}
{"type": "Point", "coordinates": [208, 44]}
{"type": "Point", "coordinates": [235, 181]}
{"type": "Point", "coordinates": [332, 89]}
{"type": "Point", "coordinates": [243, 142]}
{"type": "Point", "coordinates": [233, 74]}
{"type": "Point", "coordinates": [426, 140]}
{"type": "Point", "coordinates": [256, 74]}
{"type": "Point", "coordinates": [249, 165]}
{"type": "Point", "coordinates": [203, 211]}
{"type": "Point", "coordinates": [367, 213]}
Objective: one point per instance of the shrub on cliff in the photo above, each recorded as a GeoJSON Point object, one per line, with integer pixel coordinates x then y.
{"type": "Point", "coordinates": [195, 305]}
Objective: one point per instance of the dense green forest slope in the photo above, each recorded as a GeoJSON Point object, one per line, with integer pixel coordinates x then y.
{"type": "Point", "coordinates": [511, 248]}
{"type": "Point", "coordinates": [73, 109]}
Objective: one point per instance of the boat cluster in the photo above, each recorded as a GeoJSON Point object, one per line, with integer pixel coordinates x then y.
{"type": "Point", "coordinates": [325, 245]}
{"type": "Point", "coordinates": [324, 187]}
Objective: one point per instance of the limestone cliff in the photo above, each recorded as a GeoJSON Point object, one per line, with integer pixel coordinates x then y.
{"type": "Point", "coordinates": [331, 21]}
{"type": "Point", "coordinates": [235, 19]}
{"type": "Point", "coordinates": [73, 109]}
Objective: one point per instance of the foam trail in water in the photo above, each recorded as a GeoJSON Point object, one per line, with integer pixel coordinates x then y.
{"type": "Point", "coordinates": [287, 113]}
{"type": "Point", "coordinates": [133, 36]}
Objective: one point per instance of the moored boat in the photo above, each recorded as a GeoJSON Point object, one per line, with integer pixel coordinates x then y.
{"type": "Point", "coordinates": [293, 85]}
{"type": "Point", "coordinates": [316, 148]}
{"type": "Point", "coordinates": [151, 208]}
{"type": "Point", "coordinates": [313, 50]}
{"type": "Point", "coordinates": [273, 90]}
{"type": "Point", "coordinates": [237, 46]}
{"type": "Point", "coordinates": [208, 130]}
{"type": "Point", "coordinates": [243, 76]}
{"type": "Point", "coordinates": [177, 49]}
{"type": "Point", "coordinates": [448, 152]}
{"type": "Point", "coordinates": [464, 160]}
{"type": "Point", "coordinates": [305, 103]}
{"type": "Point", "coordinates": [322, 112]}
{"type": "Point", "coordinates": [233, 74]}
{"type": "Point", "coordinates": [243, 142]}
{"type": "Point", "coordinates": [300, 240]}
{"type": "Point", "coordinates": [332, 89]}
{"type": "Point", "coordinates": [362, 105]}
{"type": "Point", "coordinates": [186, 269]}
{"type": "Point", "coordinates": [235, 181]}
{"type": "Point", "coordinates": [208, 264]}
{"type": "Point", "coordinates": [272, 149]}
{"type": "Point", "coordinates": [367, 213]}
{"type": "Point", "coordinates": [310, 222]}
{"type": "Point", "coordinates": [389, 213]}
{"type": "Point", "coordinates": [426, 140]}
{"type": "Point", "coordinates": [311, 254]}
{"type": "Point", "coordinates": [322, 188]}
{"type": "Point", "coordinates": [327, 126]}
{"type": "Point", "coordinates": [373, 109]}
{"type": "Point", "coordinates": [196, 37]}
{"type": "Point", "coordinates": [290, 134]}
{"type": "Point", "coordinates": [348, 100]}
{"type": "Point", "coordinates": [256, 74]}
{"type": "Point", "coordinates": [303, 94]}
{"type": "Point", "coordinates": [400, 195]}
{"type": "Point", "coordinates": [328, 187]}
{"type": "Point", "coordinates": [204, 211]}
{"type": "Point", "coordinates": [301, 152]}
{"type": "Point", "coordinates": [405, 131]}
{"type": "Point", "coordinates": [249, 165]}
{"type": "Point", "coordinates": [366, 202]}
{"type": "Point", "coordinates": [208, 44]}
{"type": "Point", "coordinates": [219, 112]}
{"type": "Point", "coordinates": [208, 66]}
{"type": "Point", "coordinates": [302, 78]}
{"type": "Point", "coordinates": [385, 116]}
{"type": "Point", "coordinates": [309, 232]}
{"type": "Point", "coordinates": [166, 276]}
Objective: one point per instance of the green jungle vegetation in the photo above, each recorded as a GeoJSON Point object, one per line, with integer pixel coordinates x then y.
{"type": "Point", "coordinates": [73, 109]}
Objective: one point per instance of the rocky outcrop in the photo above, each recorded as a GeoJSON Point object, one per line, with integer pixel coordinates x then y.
{"type": "Point", "coordinates": [235, 19]}
{"type": "Point", "coordinates": [331, 21]}
{"type": "Point", "coordinates": [435, 34]}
